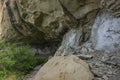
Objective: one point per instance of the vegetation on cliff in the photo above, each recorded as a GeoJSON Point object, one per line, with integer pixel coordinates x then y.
{"type": "Point", "coordinates": [16, 60]}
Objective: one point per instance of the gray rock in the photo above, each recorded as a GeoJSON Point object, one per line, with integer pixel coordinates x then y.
{"type": "Point", "coordinates": [106, 32]}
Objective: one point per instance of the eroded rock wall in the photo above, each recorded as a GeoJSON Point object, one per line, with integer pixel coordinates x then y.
{"type": "Point", "coordinates": [52, 18]}
{"type": "Point", "coordinates": [81, 25]}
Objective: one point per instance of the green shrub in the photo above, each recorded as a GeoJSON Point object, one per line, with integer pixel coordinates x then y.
{"type": "Point", "coordinates": [3, 74]}
{"type": "Point", "coordinates": [16, 59]}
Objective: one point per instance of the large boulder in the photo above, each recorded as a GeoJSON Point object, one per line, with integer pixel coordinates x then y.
{"type": "Point", "coordinates": [64, 68]}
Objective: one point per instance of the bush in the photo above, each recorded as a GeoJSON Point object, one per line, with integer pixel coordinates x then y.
{"type": "Point", "coordinates": [15, 58]}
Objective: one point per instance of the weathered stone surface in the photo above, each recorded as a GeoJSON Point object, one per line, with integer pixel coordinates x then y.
{"type": "Point", "coordinates": [71, 39]}
{"type": "Point", "coordinates": [106, 32]}
{"type": "Point", "coordinates": [48, 17]}
{"type": "Point", "coordinates": [48, 21]}
{"type": "Point", "coordinates": [113, 6]}
{"type": "Point", "coordinates": [64, 68]}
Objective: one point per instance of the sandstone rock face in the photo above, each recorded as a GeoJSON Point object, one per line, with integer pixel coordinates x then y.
{"type": "Point", "coordinates": [64, 68]}
{"type": "Point", "coordinates": [49, 19]}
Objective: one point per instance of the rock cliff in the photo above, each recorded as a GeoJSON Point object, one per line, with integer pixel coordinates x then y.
{"type": "Point", "coordinates": [80, 26]}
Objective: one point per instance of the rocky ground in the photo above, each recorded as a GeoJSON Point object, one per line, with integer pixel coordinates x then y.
{"type": "Point", "coordinates": [33, 73]}
{"type": "Point", "coordinates": [104, 65]}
